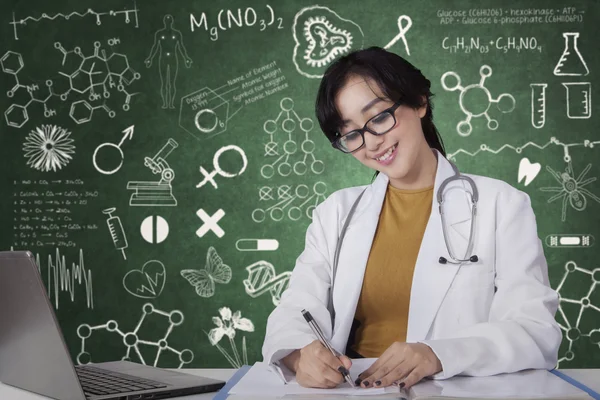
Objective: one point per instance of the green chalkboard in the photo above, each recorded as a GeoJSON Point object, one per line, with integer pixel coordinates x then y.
{"type": "Point", "coordinates": [162, 158]}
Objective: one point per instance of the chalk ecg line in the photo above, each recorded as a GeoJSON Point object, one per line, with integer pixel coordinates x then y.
{"type": "Point", "coordinates": [66, 17]}
{"type": "Point", "coordinates": [61, 278]}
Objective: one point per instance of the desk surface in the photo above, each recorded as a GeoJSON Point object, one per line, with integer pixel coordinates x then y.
{"type": "Point", "coordinates": [589, 377]}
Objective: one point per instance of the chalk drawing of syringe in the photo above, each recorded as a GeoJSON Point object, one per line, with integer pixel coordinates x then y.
{"type": "Point", "coordinates": [117, 233]}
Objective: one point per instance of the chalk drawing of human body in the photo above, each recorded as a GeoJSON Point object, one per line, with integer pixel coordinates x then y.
{"type": "Point", "coordinates": [169, 42]}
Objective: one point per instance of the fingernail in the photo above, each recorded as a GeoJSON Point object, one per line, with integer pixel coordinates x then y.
{"type": "Point", "coordinates": [357, 382]}
{"type": "Point", "coordinates": [342, 369]}
{"type": "Point", "coordinates": [366, 383]}
{"type": "Point", "coordinates": [401, 385]}
{"type": "Point", "coordinates": [377, 383]}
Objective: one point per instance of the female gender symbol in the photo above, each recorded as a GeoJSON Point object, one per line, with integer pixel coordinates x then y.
{"type": "Point", "coordinates": [209, 177]}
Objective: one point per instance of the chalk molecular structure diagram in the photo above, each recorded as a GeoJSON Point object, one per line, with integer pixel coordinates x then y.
{"type": "Point", "coordinates": [132, 340]}
{"type": "Point", "coordinates": [95, 75]}
{"type": "Point", "coordinates": [573, 331]}
{"type": "Point", "coordinates": [475, 94]}
{"type": "Point", "coordinates": [288, 121]}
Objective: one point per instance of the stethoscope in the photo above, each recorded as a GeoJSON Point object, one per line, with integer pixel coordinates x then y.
{"type": "Point", "coordinates": [440, 199]}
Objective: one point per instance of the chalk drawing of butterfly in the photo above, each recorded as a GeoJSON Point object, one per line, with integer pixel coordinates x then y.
{"type": "Point", "coordinates": [203, 280]}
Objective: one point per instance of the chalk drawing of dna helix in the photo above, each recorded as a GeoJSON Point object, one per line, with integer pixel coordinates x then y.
{"type": "Point", "coordinates": [262, 278]}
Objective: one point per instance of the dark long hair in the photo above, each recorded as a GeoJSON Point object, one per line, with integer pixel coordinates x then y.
{"type": "Point", "coordinates": [398, 79]}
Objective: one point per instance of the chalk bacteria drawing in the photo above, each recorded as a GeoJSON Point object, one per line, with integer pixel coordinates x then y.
{"type": "Point", "coordinates": [127, 134]}
{"type": "Point", "coordinates": [168, 41]}
{"type": "Point", "coordinates": [227, 325]}
{"type": "Point", "coordinates": [587, 312]}
{"type": "Point", "coordinates": [203, 280]}
{"type": "Point", "coordinates": [48, 148]}
{"type": "Point", "coordinates": [321, 35]}
{"type": "Point", "coordinates": [147, 283]}
{"type": "Point", "coordinates": [133, 341]}
{"type": "Point", "coordinates": [528, 170]}
{"type": "Point", "coordinates": [571, 62]}
{"type": "Point", "coordinates": [94, 75]}
{"type": "Point", "coordinates": [156, 193]}
{"type": "Point", "coordinates": [478, 100]}
{"type": "Point", "coordinates": [262, 279]}
{"type": "Point", "coordinates": [571, 190]}
{"type": "Point", "coordinates": [30, 20]}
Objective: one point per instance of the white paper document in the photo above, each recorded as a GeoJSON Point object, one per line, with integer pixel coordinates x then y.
{"type": "Point", "coordinates": [263, 380]}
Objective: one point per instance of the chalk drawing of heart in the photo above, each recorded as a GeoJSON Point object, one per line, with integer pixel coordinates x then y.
{"type": "Point", "coordinates": [148, 282]}
{"type": "Point", "coordinates": [528, 170]}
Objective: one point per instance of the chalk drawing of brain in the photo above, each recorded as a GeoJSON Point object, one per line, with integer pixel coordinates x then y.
{"type": "Point", "coordinates": [321, 35]}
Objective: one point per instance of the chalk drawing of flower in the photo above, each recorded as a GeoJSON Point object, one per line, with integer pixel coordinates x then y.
{"type": "Point", "coordinates": [48, 148]}
{"type": "Point", "coordinates": [227, 325]}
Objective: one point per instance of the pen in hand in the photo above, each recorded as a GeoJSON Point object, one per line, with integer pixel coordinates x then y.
{"type": "Point", "coordinates": [319, 333]}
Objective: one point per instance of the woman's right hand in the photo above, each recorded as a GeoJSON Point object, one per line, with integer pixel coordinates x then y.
{"type": "Point", "coordinates": [316, 367]}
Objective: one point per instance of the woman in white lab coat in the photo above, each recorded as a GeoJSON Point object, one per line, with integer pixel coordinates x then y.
{"type": "Point", "coordinates": [397, 295]}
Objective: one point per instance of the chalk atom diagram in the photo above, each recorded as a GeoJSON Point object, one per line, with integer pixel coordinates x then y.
{"type": "Point", "coordinates": [132, 339]}
{"type": "Point", "coordinates": [475, 100]}
{"type": "Point", "coordinates": [95, 75]}
{"type": "Point", "coordinates": [576, 330]}
{"type": "Point", "coordinates": [296, 200]}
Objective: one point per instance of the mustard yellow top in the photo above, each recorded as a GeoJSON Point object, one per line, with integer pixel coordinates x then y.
{"type": "Point", "coordinates": [383, 304]}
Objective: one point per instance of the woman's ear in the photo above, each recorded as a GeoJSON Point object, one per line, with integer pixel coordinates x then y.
{"type": "Point", "coordinates": [423, 109]}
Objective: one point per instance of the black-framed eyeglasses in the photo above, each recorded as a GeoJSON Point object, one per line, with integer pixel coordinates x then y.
{"type": "Point", "coordinates": [378, 125]}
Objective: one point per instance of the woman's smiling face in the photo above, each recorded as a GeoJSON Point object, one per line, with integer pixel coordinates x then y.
{"type": "Point", "coordinates": [393, 153]}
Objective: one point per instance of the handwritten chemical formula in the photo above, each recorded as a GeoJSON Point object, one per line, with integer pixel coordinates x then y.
{"type": "Point", "coordinates": [227, 19]}
{"type": "Point", "coordinates": [502, 44]}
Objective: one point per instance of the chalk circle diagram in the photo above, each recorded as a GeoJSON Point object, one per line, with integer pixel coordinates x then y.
{"type": "Point", "coordinates": [154, 229]}
{"type": "Point", "coordinates": [148, 282]}
{"type": "Point", "coordinates": [321, 35]}
{"type": "Point", "coordinates": [206, 121]}
{"type": "Point", "coordinates": [106, 149]}
{"type": "Point", "coordinates": [48, 148]}
{"type": "Point", "coordinates": [209, 177]}
{"type": "Point", "coordinates": [203, 280]}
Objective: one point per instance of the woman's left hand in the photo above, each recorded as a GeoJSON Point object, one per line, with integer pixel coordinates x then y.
{"type": "Point", "coordinates": [405, 363]}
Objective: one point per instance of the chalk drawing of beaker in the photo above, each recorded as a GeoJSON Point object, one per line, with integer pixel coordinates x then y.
{"type": "Point", "coordinates": [579, 99]}
{"type": "Point", "coordinates": [571, 62]}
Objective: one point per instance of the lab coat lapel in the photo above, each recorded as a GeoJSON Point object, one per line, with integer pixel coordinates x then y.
{"type": "Point", "coordinates": [431, 280]}
{"type": "Point", "coordinates": [353, 259]}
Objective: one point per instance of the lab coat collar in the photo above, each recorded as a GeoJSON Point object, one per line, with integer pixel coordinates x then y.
{"type": "Point", "coordinates": [431, 280]}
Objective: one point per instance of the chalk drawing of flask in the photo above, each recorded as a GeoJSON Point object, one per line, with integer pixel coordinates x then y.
{"type": "Point", "coordinates": [571, 62]}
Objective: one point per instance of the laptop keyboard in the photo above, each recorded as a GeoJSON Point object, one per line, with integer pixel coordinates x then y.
{"type": "Point", "coordinates": [96, 381]}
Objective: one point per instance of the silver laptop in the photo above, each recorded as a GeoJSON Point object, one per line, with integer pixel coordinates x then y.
{"type": "Point", "coordinates": [34, 356]}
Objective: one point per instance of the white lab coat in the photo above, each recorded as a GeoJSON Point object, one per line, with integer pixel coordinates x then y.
{"type": "Point", "coordinates": [454, 309]}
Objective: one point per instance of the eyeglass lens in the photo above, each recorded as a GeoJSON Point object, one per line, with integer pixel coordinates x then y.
{"type": "Point", "coordinates": [377, 125]}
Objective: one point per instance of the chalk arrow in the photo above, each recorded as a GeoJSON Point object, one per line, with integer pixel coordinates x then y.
{"type": "Point", "coordinates": [128, 134]}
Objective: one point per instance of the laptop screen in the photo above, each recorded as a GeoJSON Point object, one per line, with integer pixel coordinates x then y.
{"type": "Point", "coordinates": [33, 354]}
